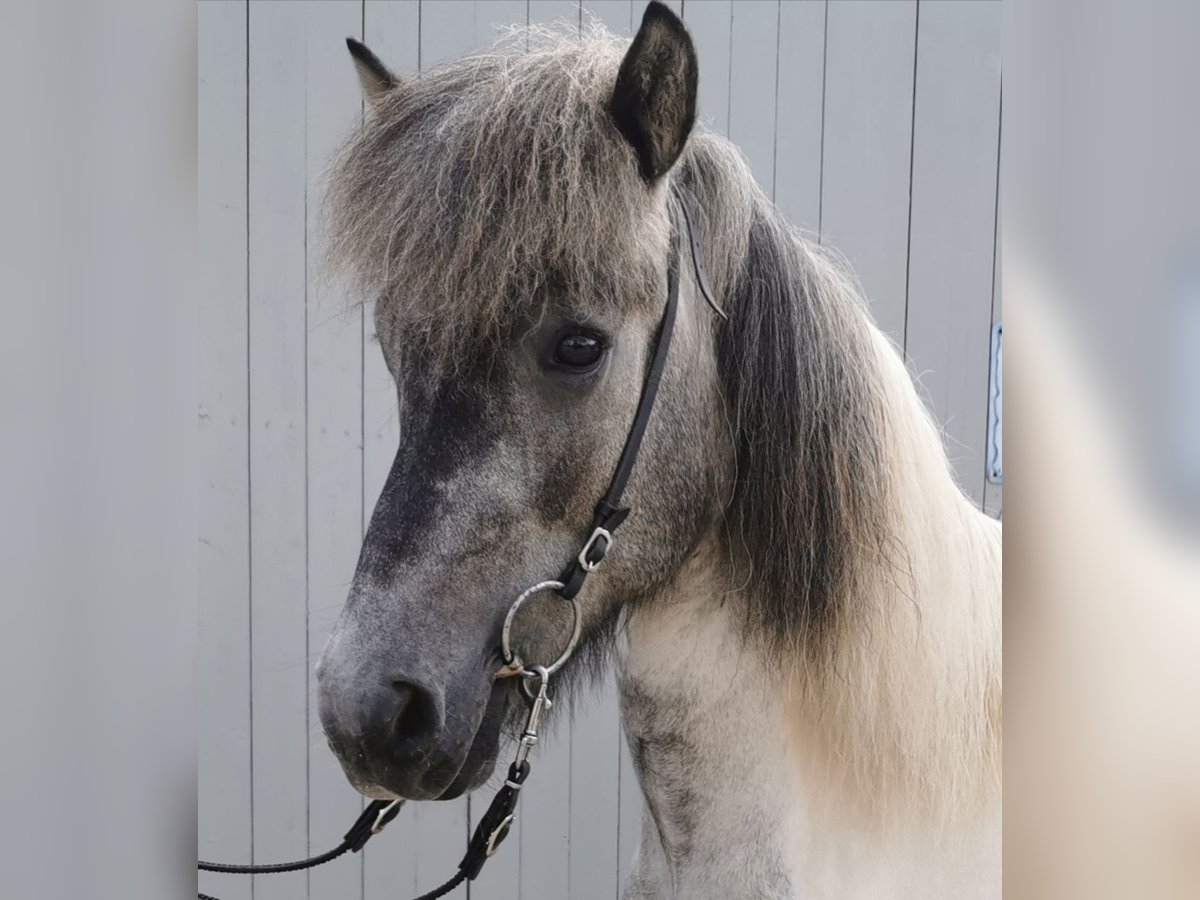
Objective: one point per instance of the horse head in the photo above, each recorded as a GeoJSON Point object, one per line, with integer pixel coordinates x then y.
{"type": "Point", "coordinates": [515, 221]}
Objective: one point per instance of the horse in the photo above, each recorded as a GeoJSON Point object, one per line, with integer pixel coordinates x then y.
{"type": "Point", "coordinates": [803, 608]}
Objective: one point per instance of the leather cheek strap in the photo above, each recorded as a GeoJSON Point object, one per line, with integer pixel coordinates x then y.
{"type": "Point", "coordinates": [609, 512]}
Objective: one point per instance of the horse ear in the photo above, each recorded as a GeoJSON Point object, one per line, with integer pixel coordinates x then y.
{"type": "Point", "coordinates": [376, 78]}
{"type": "Point", "coordinates": [654, 101]}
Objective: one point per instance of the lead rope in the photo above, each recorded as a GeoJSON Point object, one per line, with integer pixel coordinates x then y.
{"type": "Point", "coordinates": [491, 831]}
{"type": "Point", "coordinates": [496, 823]}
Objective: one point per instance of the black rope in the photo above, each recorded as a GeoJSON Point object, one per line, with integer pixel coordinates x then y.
{"type": "Point", "coordinates": [371, 820]}
{"type": "Point", "coordinates": [445, 888]}
{"type": "Point", "coordinates": [442, 891]}
{"type": "Point", "coordinates": [276, 868]}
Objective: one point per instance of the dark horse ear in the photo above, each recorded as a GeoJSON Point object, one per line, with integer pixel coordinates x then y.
{"type": "Point", "coordinates": [376, 78]}
{"type": "Point", "coordinates": [654, 100]}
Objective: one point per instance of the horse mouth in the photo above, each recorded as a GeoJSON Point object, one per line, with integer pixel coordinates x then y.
{"type": "Point", "coordinates": [445, 773]}
{"type": "Point", "coordinates": [480, 760]}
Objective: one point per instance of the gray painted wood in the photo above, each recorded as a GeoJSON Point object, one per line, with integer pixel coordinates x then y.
{"type": "Point", "coordinates": [599, 808]}
{"type": "Point", "coordinates": [868, 136]}
{"type": "Point", "coordinates": [955, 146]}
{"type": "Point", "coordinates": [799, 111]}
{"type": "Point", "coordinates": [753, 82]}
{"type": "Point", "coordinates": [598, 805]}
{"type": "Point", "coordinates": [709, 23]}
{"type": "Point", "coordinates": [334, 433]}
{"type": "Point", "coordinates": [595, 797]}
{"type": "Point", "coordinates": [446, 30]}
{"type": "Point", "coordinates": [223, 503]}
{"type": "Point", "coordinates": [547, 12]}
{"type": "Point", "coordinates": [493, 16]}
{"type": "Point", "coordinates": [545, 839]}
{"type": "Point", "coordinates": [616, 15]}
{"type": "Point", "coordinates": [298, 424]}
{"type": "Point", "coordinates": [278, 488]}
{"type": "Point", "coordinates": [389, 863]}
{"type": "Point", "coordinates": [501, 878]}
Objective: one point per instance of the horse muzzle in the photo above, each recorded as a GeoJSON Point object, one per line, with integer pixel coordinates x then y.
{"type": "Point", "coordinates": [409, 736]}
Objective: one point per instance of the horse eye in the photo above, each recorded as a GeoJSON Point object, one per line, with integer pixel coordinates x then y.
{"type": "Point", "coordinates": [578, 350]}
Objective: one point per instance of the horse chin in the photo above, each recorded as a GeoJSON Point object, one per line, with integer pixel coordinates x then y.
{"type": "Point", "coordinates": [480, 761]}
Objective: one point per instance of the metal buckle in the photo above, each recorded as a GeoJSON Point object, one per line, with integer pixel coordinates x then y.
{"type": "Point", "coordinates": [499, 833]}
{"type": "Point", "coordinates": [385, 815]}
{"type": "Point", "coordinates": [586, 564]}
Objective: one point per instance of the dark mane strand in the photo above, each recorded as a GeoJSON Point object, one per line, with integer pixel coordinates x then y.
{"type": "Point", "coordinates": [808, 513]}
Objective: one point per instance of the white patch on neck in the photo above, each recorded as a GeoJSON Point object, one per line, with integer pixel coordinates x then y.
{"type": "Point", "coordinates": [881, 783]}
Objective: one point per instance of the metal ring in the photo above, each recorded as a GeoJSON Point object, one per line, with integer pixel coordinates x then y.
{"type": "Point", "coordinates": [511, 659]}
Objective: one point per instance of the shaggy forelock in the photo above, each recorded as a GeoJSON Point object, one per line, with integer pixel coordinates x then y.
{"type": "Point", "coordinates": [493, 186]}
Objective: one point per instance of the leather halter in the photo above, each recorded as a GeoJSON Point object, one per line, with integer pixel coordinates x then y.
{"type": "Point", "coordinates": [609, 513]}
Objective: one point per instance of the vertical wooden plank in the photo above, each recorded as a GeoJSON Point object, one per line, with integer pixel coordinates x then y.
{"type": "Point", "coordinates": [868, 139]}
{"type": "Point", "coordinates": [334, 427]}
{"type": "Point", "coordinates": [616, 15]}
{"type": "Point", "coordinates": [617, 829]}
{"type": "Point", "coordinates": [447, 30]}
{"type": "Point", "coordinates": [629, 813]}
{"type": "Point", "coordinates": [601, 744]}
{"type": "Point", "coordinates": [594, 766]}
{"type": "Point", "coordinates": [277, 441]}
{"type": "Point", "coordinates": [545, 816]}
{"type": "Point", "coordinates": [545, 839]}
{"type": "Point", "coordinates": [955, 128]}
{"type": "Point", "coordinates": [709, 24]}
{"type": "Point", "coordinates": [492, 16]}
{"type": "Point", "coordinates": [501, 878]}
{"type": "Point", "coordinates": [752, 85]}
{"type": "Point", "coordinates": [595, 796]}
{"type": "Point", "coordinates": [546, 12]}
{"type": "Point", "coordinates": [799, 115]}
{"type": "Point", "coordinates": [594, 862]}
{"type": "Point", "coordinates": [223, 499]}
{"type": "Point", "coordinates": [390, 29]}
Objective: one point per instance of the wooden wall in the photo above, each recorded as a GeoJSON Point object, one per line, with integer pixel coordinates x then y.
{"type": "Point", "coordinates": [872, 122]}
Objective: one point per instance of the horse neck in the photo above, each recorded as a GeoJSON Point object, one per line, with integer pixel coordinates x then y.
{"type": "Point", "coordinates": [769, 778]}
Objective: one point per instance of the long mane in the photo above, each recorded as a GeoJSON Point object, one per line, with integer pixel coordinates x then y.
{"type": "Point", "coordinates": [874, 582]}
{"type": "Point", "coordinates": [808, 516]}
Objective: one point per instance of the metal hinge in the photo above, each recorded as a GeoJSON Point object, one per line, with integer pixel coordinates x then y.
{"type": "Point", "coordinates": [995, 413]}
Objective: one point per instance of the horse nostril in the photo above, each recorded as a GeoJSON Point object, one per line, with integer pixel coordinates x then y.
{"type": "Point", "coordinates": [416, 713]}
